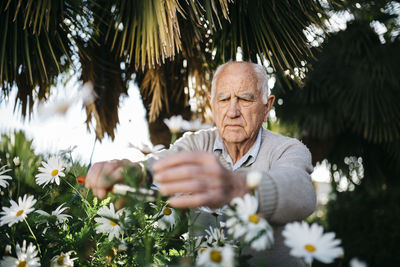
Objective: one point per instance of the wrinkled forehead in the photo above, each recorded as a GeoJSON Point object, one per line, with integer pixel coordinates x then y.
{"type": "Point", "coordinates": [237, 77]}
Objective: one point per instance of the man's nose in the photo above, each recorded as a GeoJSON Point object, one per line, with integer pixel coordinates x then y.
{"type": "Point", "coordinates": [234, 109]}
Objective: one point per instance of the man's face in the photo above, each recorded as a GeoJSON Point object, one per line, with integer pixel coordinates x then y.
{"type": "Point", "coordinates": [237, 104]}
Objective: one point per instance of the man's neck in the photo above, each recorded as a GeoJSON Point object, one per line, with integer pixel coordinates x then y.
{"type": "Point", "coordinates": [237, 150]}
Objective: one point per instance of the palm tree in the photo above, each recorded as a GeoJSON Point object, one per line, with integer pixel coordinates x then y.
{"type": "Point", "coordinates": [170, 48]}
{"type": "Point", "coordinates": [347, 112]}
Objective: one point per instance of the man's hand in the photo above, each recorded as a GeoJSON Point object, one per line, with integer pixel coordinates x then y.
{"type": "Point", "coordinates": [103, 175]}
{"type": "Point", "coordinates": [197, 179]}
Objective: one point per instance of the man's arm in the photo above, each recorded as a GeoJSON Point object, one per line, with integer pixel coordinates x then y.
{"type": "Point", "coordinates": [286, 192]}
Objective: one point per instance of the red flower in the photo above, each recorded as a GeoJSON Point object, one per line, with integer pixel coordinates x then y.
{"type": "Point", "coordinates": [81, 179]}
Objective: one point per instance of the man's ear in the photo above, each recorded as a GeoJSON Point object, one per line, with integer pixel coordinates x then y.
{"type": "Point", "coordinates": [268, 106]}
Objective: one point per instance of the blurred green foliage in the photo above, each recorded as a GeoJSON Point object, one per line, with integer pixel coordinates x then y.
{"type": "Point", "coordinates": [347, 112]}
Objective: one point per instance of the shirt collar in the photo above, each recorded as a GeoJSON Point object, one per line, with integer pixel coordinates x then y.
{"type": "Point", "coordinates": [246, 160]}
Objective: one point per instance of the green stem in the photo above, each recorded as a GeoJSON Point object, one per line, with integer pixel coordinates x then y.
{"type": "Point", "coordinates": [76, 190]}
{"type": "Point", "coordinates": [173, 138]}
{"type": "Point", "coordinates": [253, 192]}
{"type": "Point", "coordinates": [19, 186]}
{"type": "Point", "coordinates": [34, 237]}
{"type": "Point", "coordinates": [148, 254]}
{"type": "Point", "coordinates": [12, 235]}
{"type": "Point", "coordinates": [72, 164]}
{"type": "Point", "coordinates": [216, 221]}
{"type": "Point", "coordinates": [79, 193]}
{"type": "Point", "coordinates": [45, 195]}
{"type": "Point", "coordinates": [191, 222]}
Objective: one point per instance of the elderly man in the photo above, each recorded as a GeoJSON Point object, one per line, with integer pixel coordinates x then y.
{"type": "Point", "coordinates": [213, 167]}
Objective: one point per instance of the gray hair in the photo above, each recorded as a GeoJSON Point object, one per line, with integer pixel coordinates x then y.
{"type": "Point", "coordinates": [259, 72]}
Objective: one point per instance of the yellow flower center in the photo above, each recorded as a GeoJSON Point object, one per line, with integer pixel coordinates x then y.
{"type": "Point", "coordinates": [216, 256]}
{"type": "Point", "coordinates": [202, 250]}
{"type": "Point", "coordinates": [113, 223]}
{"type": "Point", "coordinates": [254, 218]}
{"type": "Point", "coordinates": [21, 264]}
{"type": "Point", "coordinates": [19, 213]}
{"type": "Point", "coordinates": [60, 260]}
{"type": "Point", "coordinates": [54, 172]}
{"type": "Point", "coordinates": [309, 248]}
{"type": "Point", "coordinates": [167, 211]}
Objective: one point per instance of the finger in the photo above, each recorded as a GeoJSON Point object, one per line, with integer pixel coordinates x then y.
{"type": "Point", "coordinates": [99, 175]}
{"type": "Point", "coordinates": [99, 193]}
{"type": "Point", "coordinates": [181, 158]}
{"type": "Point", "coordinates": [197, 185]}
{"type": "Point", "coordinates": [189, 201]}
{"type": "Point", "coordinates": [212, 199]}
{"type": "Point", "coordinates": [92, 174]}
{"type": "Point", "coordinates": [109, 176]}
{"type": "Point", "coordinates": [178, 173]}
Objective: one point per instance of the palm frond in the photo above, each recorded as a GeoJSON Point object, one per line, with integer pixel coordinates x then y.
{"type": "Point", "coordinates": [35, 47]}
{"type": "Point", "coordinates": [147, 31]}
{"type": "Point", "coordinates": [154, 87]}
{"type": "Point", "coordinates": [352, 89]}
{"type": "Point", "coordinates": [109, 82]}
{"type": "Point", "coordinates": [272, 30]}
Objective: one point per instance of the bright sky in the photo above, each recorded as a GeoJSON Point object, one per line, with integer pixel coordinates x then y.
{"type": "Point", "coordinates": [53, 133]}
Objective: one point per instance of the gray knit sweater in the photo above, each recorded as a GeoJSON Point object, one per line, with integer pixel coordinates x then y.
{"type": "Point", "coordinates": [286, 193]}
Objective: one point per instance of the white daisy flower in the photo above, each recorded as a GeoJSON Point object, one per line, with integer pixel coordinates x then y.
{"type": "Point", "coordinates": [50, 172]}
{"type": "Point", "coordinates": [309, 242]}
{"type": "Point", "coordinates": [68, 150]}
{"type": "Point", "coordinates": [214, 212]}
{"type": "Point", "coordinates": [7, 249]}
{"type": "Point", "coordinates": [216, 256]}
{"type": "Point", "coordinates": [195, 125]}
{"type": "Point", "coordinates": [25, 257]}
{"type": "Point", "coordinates": [109, 222]}
{"type": "Point", "coordinates": [62, 105]}
{"type": "Point", "coordinates": [168, 219]}
{"type": "Point", "coordinates": [215, 236]}
{"type": "Point", "coordinates": [146, 149]}
{"type": "Point", "coordinates": [355, 262]}
{"type": "Point", "coordinates": [63, 260]}
{"type": "Point", "coordinates": [3, 177]}
{"type": "Point", "coordinates": [122, 246]}
{"type": "Point", "coordinates": [185, 236]}
{"type": "Point", "coordinates": [87, 94]}
{"type": "Point", "coordinates": [175, 124]}
{"type": "Point", "coordinates": [16, 161]}
{"type": "Point", "coordinates": [253, 179]}
{"type": "Point", "coordinates": [245, 222]}
{"type": "Point", "coordinates": [259, 233]}
{"type": "Point", "coordinates": [56, 214]}
{"type": "Point", "coordinates": [17, 212]}
{"type": "Point", "coordinates": [56, 107]}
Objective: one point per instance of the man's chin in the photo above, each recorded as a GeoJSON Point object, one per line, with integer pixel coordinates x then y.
{"type": "Point", "coordinates": [233, 139]}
